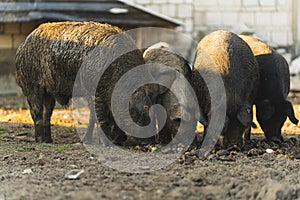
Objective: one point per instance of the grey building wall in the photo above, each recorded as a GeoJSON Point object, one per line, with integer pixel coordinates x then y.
{"type": "Point", "coordinates": [273, 21]}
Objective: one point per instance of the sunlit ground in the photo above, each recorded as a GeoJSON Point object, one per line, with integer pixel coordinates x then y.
{"type": "Point", "coordinates": [60, 117]}
{"type": "Point", "coordinates": [79, 118]}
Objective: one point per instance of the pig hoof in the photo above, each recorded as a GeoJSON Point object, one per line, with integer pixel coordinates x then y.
{"type": "Point", "coordinates": [47, 140]}
{"type": "Point", "coordinates": [43, 140]}
{"type": "Point", "coordinates": [38, 140]}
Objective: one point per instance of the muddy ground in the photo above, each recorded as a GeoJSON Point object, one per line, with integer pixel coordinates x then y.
{"type": "Point", "coordinates": [39, 171]}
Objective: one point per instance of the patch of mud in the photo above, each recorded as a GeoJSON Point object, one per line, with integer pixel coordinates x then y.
{"type": "Point", "coordinates": [28, 170]}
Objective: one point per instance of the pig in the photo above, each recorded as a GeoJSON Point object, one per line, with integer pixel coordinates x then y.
{"type": "Point", "coordinates": [272, 106]}
{"type": "Point", "coordinates": [225, 53]}
{"type": "Point", "coordinates": [163, 53]}
{"type": "Point", "coordinates": [177, 110]}
{"type": "Point", "coordinates": [48, 62]}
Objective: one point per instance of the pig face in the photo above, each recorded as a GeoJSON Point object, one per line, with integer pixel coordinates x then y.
{"type": "Point", "coordinates": [271, 118]}
{"type": "Point", "coordinates": [139, 106]}
{"type": "Point", "coordinates": [175, 116]}
{"type": "Point", "coordinates": [236, 126]}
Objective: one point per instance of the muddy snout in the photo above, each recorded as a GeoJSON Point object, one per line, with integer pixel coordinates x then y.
{"type": "Point", "coordinates": [233, 138]}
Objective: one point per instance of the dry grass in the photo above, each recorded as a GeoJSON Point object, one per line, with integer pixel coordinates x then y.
{"type": "Point", "coordinates": [288, 128]}
{"type": "Point", "coordinates": [60, 117]}
{"type": "Point", "coordinates": [75, 118]}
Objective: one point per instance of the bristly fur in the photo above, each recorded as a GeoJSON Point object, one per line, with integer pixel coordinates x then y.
{"type": "Point", "coordinates": [48, 61]}
{"type": "Point", "coordinates": [52, 54]}
{"type": "Point", "coordinates": [223, 52]}
{"type": "Point", "coordinates": [258, 47]}
{"type": "Point", "coordinates": [162, 53]}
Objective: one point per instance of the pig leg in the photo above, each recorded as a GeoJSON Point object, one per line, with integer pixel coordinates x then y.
{"type": "Point", "coordinates": [204, 131]}
{"type": "Point", "coordinates": [48, 104]}
{"type": "Point", "coordinates": [108, 126]}
{"type": "Point", "coordinates": [118, 136]}
{"type": "Point", "coordinates": [113, 132]}
{"type": "Point", "coordinates": [247, 135]}
{"type": "Point", "coordinates": [92, 120]}
{"type": "Point", "coordinates": [102, 117]}
{"type": "Point", "coordinates": [164, 136]}
{"type": "Point", "coordinates": [35, 102]}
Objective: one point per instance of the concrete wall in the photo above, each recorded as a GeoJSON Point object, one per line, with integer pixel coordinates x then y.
{"type": "Point", "coordinates": [11, 36]}
{"type": "Point", "coordinates": [272, 20]}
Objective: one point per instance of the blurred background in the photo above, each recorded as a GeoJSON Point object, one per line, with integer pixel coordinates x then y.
{"type": "Point", "coordinates": [276, 22]}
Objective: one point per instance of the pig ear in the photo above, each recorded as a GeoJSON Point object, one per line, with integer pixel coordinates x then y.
{"type": "Point", "coordinates": [165, 75]}
{"type": "Point", "coordinates": [245, 115]}
{"type": "Point", "coordinates": [288, 108]}
{"type": "Point", "coordinates": [266, 109]}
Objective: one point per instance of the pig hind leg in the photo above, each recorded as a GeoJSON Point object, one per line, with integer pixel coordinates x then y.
{"type": "Point", "coordinates": [35, 101]}
{"type": "Point", "coordinates": [41, 108]}
{"type": "Point", "coordinates": [92, 120]}
{"type": "Point", "coordinates": [48, 106]}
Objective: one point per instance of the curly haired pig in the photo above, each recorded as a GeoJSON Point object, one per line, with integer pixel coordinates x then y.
{"type": "Point", "coordinates": [162, 53]}
{"type": "Point", "coordinates": [225, 53]}
{"type": "Point", "coordinates": [272, 108]}
{"type": "Point", "coordinates": [48, 61]}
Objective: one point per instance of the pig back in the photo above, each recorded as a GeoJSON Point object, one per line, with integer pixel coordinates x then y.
{"type": "Point", "coordinates": [54, 52]}
{"type": "Point", "coordinates": [224, 53]}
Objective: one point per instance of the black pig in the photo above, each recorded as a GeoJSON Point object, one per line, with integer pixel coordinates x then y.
{"type": "Point", "coordinates": [272, 108]}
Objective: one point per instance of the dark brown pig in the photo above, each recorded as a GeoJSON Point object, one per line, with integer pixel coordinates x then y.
{"type": "Point", "coordinates": [224, 53]}
{"type": "Point", "coordinates": [162, 53]}
{"type": "Point", "coordinates": [48, 62]}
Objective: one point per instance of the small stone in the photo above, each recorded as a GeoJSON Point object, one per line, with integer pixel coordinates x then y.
{"type": "Point", "coordinates": [269, 150]}
{"type": "Point", "coordinates": [6, 157]}
{"type": "Point", "coordinates": [27, 171]}
{"type": "Point", "coordinates": [144, 167]}
{"type": "Point", "coordinates": [74, 174]}
{"type": "Point", "coordinates": [166, 150]}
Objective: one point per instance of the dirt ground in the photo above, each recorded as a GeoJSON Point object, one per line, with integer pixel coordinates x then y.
{"type": "Point", "coordinates": [40, 171]}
